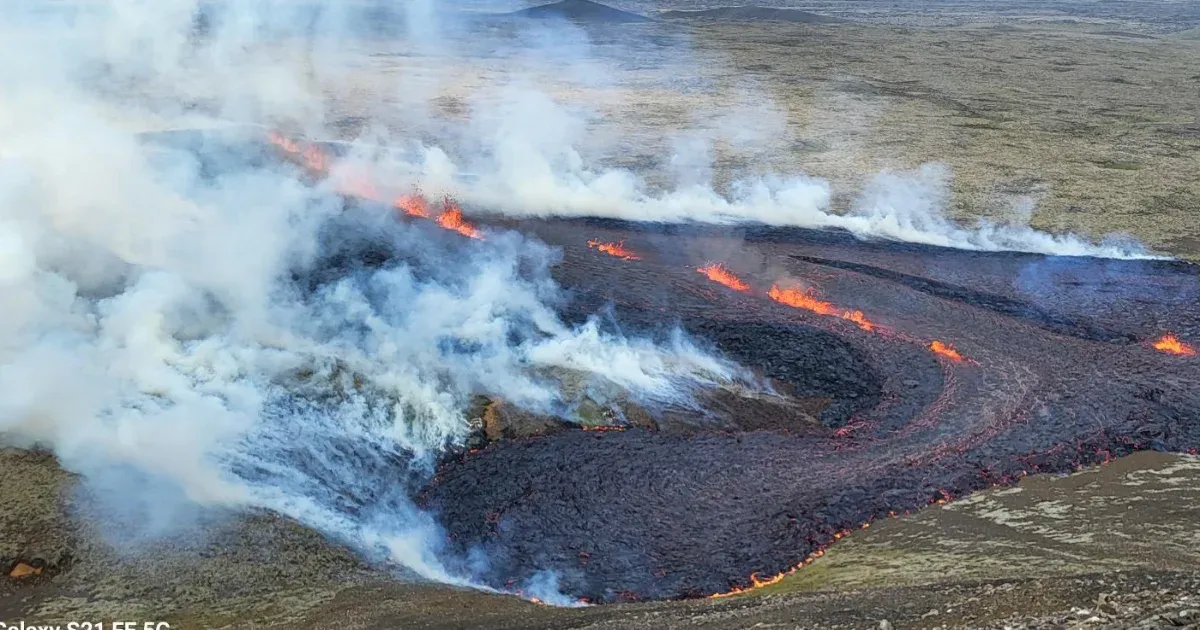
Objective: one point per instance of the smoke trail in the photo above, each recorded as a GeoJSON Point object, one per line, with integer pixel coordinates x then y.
{"type": "Point", "coordinates": [523, 152]}
{"type": "Point", "coordinates": [525, 179]}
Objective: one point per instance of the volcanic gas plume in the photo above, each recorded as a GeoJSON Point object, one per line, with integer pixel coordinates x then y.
{"type": "Point", "coordinates": [217, 315]}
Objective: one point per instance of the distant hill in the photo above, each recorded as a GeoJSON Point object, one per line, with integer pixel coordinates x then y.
{"type": "Point", "coordinates": [1190, 34]}
{"type": "Point", "coordinates": [579, 11]}
{"type": "Point", "coordinates": [755, 14]}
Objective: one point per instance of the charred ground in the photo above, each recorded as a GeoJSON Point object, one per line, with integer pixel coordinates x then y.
{"type": "Point", "coordinates": [1058, 372]}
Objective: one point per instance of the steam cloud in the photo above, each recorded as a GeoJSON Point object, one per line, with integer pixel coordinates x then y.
{"type": "Point", "coordinates": [156, 316]}
{"type": "Point", "coordinates": [170, 321]}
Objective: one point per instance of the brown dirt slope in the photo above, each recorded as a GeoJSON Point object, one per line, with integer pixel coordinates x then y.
{"type": "Point", "coordinates": [1114, 541]}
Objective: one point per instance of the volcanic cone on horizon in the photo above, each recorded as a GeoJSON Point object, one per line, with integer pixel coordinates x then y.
{"type": "Point", "coordinates": [580, 11]}
{"type": "Point", "coordinates": [756, 14]}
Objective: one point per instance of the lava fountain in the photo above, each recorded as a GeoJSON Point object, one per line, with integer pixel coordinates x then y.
{"type": "Point", "coordinates": [1170, 344]}
{"type": "Point", "coordinates": [719, 274]}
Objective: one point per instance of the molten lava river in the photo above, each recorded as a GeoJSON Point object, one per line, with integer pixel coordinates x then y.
{"type": "Point", "coordinates": [915, 375]}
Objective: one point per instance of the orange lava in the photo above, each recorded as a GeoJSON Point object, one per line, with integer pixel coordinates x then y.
{"type": "Point", "coordinates": [799, 299]}
{"type": "Point", "coordinates": [757, 582]}
{"type": "Point", "coordinates": [614, 249]}
{"type": "Point", "coordinates": [413, 205]}
{"type": "Point", "coordinates": [718, 273]}
{"type": "Point", "coordinates": [806, 301]}
{"type": "Point", "coordinates": [312, 156]}
{"type": "Point", "coordinates": [285, 144]}
{"type": "Point", "coordinates": [1172, 345]}
{"type": "Point", "coordinates": [945, 350]}
{"type": "Point", "coordinates": [362, 185]}
{"type": "Point", "coordinates": [858, 318]}
{"type": "Point", "coordinates": [452, 219]}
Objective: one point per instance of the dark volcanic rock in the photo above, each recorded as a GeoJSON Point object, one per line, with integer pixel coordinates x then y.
{"type": "Point", "coordinates": [579, 11]}
{"type": "Point", "coordinates": [1058, 372]}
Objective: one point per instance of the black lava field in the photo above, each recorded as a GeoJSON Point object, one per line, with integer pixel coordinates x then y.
{"type": "Point", "coordinates": [1056, 370]}
{"type": "Point", "coordinates": [1052, 367]}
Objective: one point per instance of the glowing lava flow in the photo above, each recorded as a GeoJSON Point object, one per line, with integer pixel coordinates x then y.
{"type": "Point", "coordinates": [283, 143]}
{"type": "Point", "coordinates": [361, 185]}
{"type": "Point", "coordinates": [613, 249]}
{"type": "Point", "coordinates": [413, 206]}
{"type": "Point", "coordinates": [945, 350]}
{"type": "Point", "coordinates": [858, 318]}
{"type": "Point", "coordinates": [312, 156]}
{"type": "Point", "coordinates": [799, 299]}
{"type": "Point", "coordinates": [806, 301]}
{"type": "Point", "coordinates": [452, 219]}
{"type": "Point", "coordinates": [756, 582]}
{"type": "Point", "coordinates": [1172, 345]}
{"type": "Point", "coordinates": [718, 273]}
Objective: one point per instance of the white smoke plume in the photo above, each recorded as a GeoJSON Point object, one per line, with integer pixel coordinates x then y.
{"type": "Point", "coordinates": [156, 314]}
{"type": "Point", "coordinates": [169, 321]}
{"type": "Point", "coordinates": [526, 153]}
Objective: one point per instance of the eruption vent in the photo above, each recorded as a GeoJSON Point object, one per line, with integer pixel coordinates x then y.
{"type": "Point", "coordinates": [360, 183]}
{"type": "Point", "coordinates": [452, 219]}
{"type": "Point", "coordinates": [1172, 345]}
{"type": "Point", "coordinates": [858, 318]}
{"type": "Point", "coordinates": [311, 156]}
{"type": "Point", "coordinates": [413, 206]}
{"type": "Point", "coordinates": [719, 274]}
{"type": "Point", "coordinates": [946, 350]}
{"type": "Point", "coordinates": [801, 299]}
{"type": "Point", "coordinates": [805, 300]}
{"type": "Point", "coordinates": [613, 249]}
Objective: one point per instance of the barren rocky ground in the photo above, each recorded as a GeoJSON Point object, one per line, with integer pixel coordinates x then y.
{"type": "Point", "coordinates": [1112, 546]}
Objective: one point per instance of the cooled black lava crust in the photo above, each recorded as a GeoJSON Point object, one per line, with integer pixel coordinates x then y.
{"type": "Point", "coordinates": [1060, 373]}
